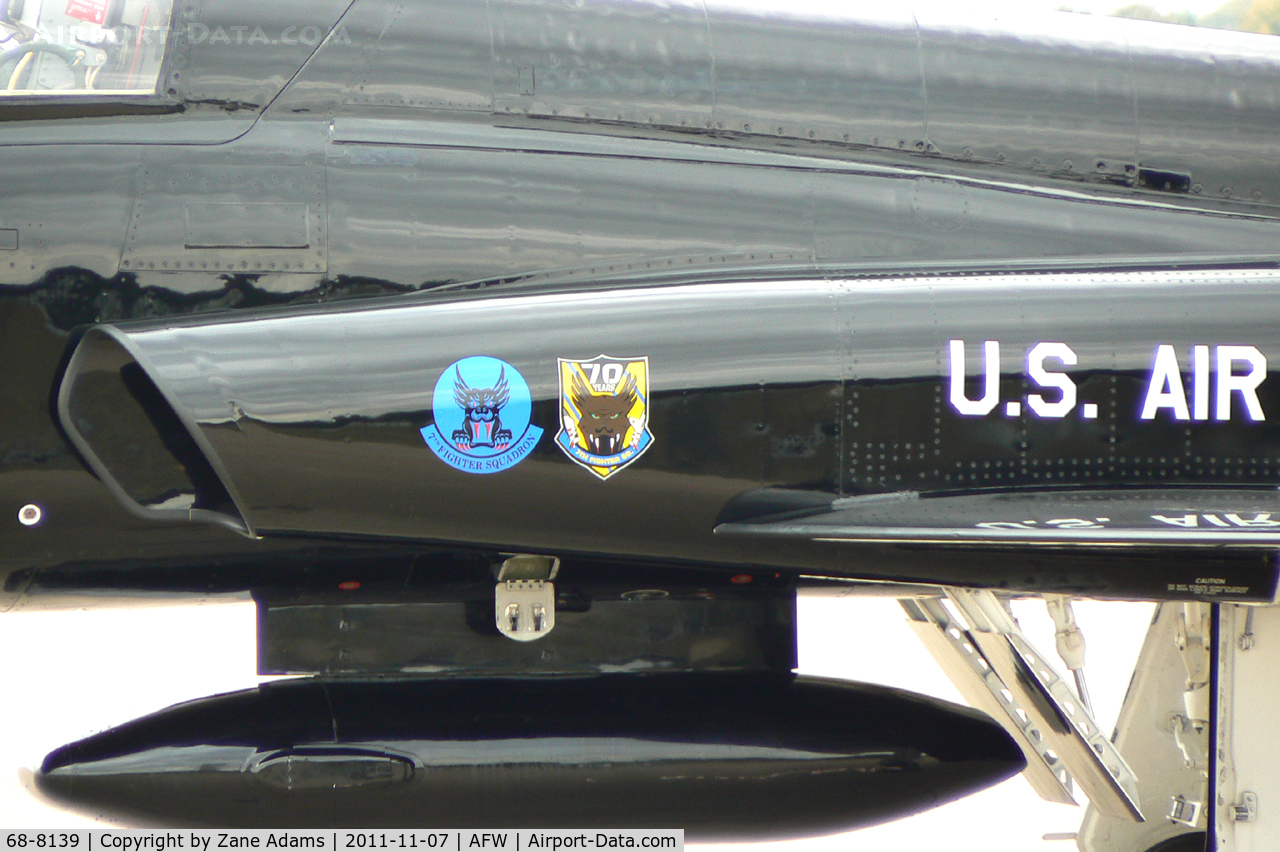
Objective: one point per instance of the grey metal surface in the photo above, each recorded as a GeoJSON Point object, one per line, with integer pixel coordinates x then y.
{"type": "Point", "coordinates": [792, 75]}
{"type": "Point", "coordinates": [225, 60]}
{"type": "Point", "coordinates": [435, 204]}
{"type": "Point", "coordinates": [449, 69]}
{"type": "Point", "coordinates": [949, 643]}
{"type": "Point", "coordinates": [638, 63]}
{"type": "Point", "coordinates": [1144, 734]}
{"type": "Point", "coordinates": [1091, 759]}
{"type": "Point", "coordinates": [1106, 104]}
{"type": "Point", "coordinates": [204, 216]}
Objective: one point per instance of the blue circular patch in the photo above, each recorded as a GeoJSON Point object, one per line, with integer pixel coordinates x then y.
{"type": "Point", "coordinates": [481, 407]}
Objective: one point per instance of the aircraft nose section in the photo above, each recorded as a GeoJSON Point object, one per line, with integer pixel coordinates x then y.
{"type": "Point", "coordinates": [723, 755]}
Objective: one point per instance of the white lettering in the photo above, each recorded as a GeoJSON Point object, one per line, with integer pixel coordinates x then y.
{"type": "Point", "coordinates": [1184, 521]}
{"type": "Point", "coordinates": [1200, 382]}
{"type": "Point", "coordinates": [1045, 379]}
{"type": "Point", "coordinates": [1259, 519]}
{"type": "Point", "coordinates": [612, 373]}
{"type": "Point", "coordinates": [1247, 384]}
{"type": "Point", "coordinates": [991, 380]}
{"type": "Point", "coordinates": [1164, 388]}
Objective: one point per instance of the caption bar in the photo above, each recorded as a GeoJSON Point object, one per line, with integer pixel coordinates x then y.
{"type": "Point", "coordinates": [445, 840]}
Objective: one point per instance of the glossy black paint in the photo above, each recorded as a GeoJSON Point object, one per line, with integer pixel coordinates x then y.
{"type": "Point", "coordinates": [722, 755]}
{"type": "Point", "coordinates": [436, 616]}
{"type": "Point", "coordinates": [839, 388]}
{"type": "Point", "coordinates": [499, 148]}
{"type": "Point", "coordinates": [248, 283]}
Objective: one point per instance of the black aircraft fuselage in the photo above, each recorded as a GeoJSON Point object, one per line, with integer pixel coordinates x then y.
{"type": "Point", "coordinates": [366, 291]}
{"type": "Point", "coordinates": [785, 244]}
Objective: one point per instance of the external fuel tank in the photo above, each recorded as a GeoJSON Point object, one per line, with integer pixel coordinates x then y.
{"type": "Point", "coordinates": [722, 755]}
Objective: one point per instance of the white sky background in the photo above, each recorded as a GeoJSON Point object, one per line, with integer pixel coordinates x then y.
{"type": "Point", "coordinates": [68, 675]}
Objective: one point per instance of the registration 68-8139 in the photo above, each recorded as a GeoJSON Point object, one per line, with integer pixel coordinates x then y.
{"type": "Point", "coordinates": [51, 840]}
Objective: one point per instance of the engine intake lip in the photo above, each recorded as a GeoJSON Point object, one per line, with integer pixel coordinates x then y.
{"type": "Point", "coordinates": [142, 446]}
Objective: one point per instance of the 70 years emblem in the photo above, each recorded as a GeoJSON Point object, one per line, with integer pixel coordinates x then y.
{"type": "Point", "coordinates": [604, 412]}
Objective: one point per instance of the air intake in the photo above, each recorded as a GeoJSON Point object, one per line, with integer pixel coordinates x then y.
{"type": "Point", "coordinates": [134, 439]}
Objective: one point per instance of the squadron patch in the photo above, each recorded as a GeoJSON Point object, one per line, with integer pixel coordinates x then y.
{"type": "Point", "coordinates": [481, 409]}
{"type": "Point", "coordinates": [604, 412]}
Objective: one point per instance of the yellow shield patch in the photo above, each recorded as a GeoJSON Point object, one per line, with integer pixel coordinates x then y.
{"type": "Point", "coordinates": [604, 412]}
